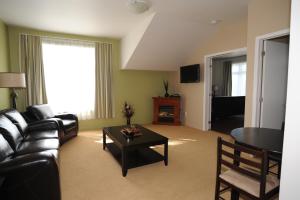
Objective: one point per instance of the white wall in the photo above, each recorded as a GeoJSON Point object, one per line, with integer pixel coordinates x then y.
{"type": "Point", "coordinates": [291, 148]}
{"type": "Point", "coordinates": [228, 36]}
{"type": "Point", "coordinates": [264, 17]}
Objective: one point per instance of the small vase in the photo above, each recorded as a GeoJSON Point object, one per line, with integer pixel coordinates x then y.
{"type": "Point", "coordinates": [128, 121]}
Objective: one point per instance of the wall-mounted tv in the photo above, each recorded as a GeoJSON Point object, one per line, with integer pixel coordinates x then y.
{"type": "Point", "coordinates": [190, 74]}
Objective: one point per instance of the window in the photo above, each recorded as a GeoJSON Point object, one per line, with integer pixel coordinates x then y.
{"type": "Point", "coordinates": [70, 76]}
{"type": "Point", "coordinates": [238, 71]}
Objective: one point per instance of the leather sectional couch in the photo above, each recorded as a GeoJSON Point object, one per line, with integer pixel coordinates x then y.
{"type": "Point", "coordinates": [29, 157]}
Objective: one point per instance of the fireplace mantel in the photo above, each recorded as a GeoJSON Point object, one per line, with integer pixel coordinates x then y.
{"type": "Point", "coordinates": [166, 110]}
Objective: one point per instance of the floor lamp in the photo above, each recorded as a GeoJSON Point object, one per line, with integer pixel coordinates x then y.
{"type": "Point", "coordinates": [12, 80]}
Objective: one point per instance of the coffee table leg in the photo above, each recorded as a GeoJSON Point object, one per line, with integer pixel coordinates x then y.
{"type": "Point", "coordinates": [124, 163]}
{"type": "Point", "coordinates": [166, 153]}
{"type": "Point", "coordinates": [104, 140]}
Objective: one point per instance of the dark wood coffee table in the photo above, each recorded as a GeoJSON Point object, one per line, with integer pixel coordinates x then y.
{"type": "Point", "coordinates": [135, 152]}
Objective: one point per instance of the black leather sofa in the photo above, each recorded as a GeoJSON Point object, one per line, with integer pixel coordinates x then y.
{"type": "Point", "coordinates": [67, 123]}
{"type": "Point", "coordinates": [29, 158]}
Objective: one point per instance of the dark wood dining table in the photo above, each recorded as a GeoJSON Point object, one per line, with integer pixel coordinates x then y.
{"type": "Point", "coordinates": [267, 139]}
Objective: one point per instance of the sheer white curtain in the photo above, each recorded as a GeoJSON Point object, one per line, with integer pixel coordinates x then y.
{"type": "Point", "coordinates": [70, 76]}
{"type": "Point", "coordinates": [239, 78]}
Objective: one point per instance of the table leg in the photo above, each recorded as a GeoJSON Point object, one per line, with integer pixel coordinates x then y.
{"type": "Point", "coordinates": [124, 162]}
{"type": "Point", "coordinates": [235, 195]}
{"type": "Point", "coordinates": [279, 170]}
{"type": "Point", "coordinates": [166, 154]}
{"type": "Point", "coordinates": [104, 140]}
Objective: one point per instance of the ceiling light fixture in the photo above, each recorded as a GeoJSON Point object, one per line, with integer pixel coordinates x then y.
{"type": "Point", "coordinates": [138, 6]}
{"type": "Point", "coordinates": [215, 21]}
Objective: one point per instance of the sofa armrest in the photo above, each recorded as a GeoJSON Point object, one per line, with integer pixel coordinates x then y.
{"type": "Point", "coordinates": [47, 124]}
{"type": "Point", "coordinates": [67, 116]}
{"type": "Point", "coordinates": [58, 121]}
{"type": "Point", "coordinates": [42, 125]}
{"type": "Point", "coordinates": [29, 161]}
{"type": "Point", "coordinates": [34, 176]}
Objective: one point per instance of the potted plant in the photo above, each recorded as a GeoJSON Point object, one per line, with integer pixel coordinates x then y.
{"type": "Point", "coordinates": [128, 112]}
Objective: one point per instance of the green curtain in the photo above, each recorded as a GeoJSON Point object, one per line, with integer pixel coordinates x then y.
{"type": "Point", "coordinates": [32, 65]}
{"type": "Point", "coordinates": [104, 95]}
{"type": "Point", "coordinates": [227, 78]}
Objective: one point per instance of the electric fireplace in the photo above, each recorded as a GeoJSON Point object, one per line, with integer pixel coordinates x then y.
{"type": "Point", "coordinates": [166, 110]}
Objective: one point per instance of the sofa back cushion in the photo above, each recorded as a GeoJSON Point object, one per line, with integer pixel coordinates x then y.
{"type": "Point", "coordinates": [17, 119]}
{"type": "Point", "coordinates": [10, 132]}
{"type": "Point", "coordinates": [5, 149]}
{"type": "Point", "coordinates": [40, 112]}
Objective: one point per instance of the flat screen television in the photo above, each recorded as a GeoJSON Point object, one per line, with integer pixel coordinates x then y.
{"type": "Point", "coordinates": [190, 74]}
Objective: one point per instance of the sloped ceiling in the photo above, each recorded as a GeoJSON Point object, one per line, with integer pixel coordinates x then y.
{"type": "Point", "coordinates": [177, 30]}
{"type": "Point", "coordinates": [159, 39]}
{"type": "Point", "coordinates": [166, 43]}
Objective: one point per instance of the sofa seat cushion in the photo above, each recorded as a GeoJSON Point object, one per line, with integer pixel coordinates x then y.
{"type": "Point", "coordinates": [69, 124]}
{"type": "Point", "coordinates": [247, 183]}
{"type": "Point", "coordinates": [27, 147]}
{"type": "Point", "coordinates": [17, 119]}
{"type": "Point", "coordinates": [10, 132]}
{"type": "Point", "coordinates": [37, 135]}
{"type": "Point", "coordinates": [5, 150]}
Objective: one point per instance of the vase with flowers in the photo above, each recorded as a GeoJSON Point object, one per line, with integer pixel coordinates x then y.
{"type": "Point", "coordinates": [128, 112]}
{"type": "Point", "coordinates": [166, 86]}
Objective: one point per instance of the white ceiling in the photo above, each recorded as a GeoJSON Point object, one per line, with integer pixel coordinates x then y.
{"type": "Point", "coordinates": [177, 28]}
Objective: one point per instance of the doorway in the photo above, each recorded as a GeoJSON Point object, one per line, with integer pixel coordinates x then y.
{"type": "Point", "coordinates": [224, 95]}
{"type": "Point", "coordinates": [274, 82]}
{"type": "Point", "coordinates": [228, 92]}
{"type": "Point", "coordinates": [270, 80]}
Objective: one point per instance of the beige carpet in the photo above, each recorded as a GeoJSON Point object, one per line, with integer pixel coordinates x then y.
{"type": "Point", "coordinates": [90, 173]}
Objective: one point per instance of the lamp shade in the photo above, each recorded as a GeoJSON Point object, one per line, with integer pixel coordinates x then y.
{"type": "Point", "coordinates": [12, 80]}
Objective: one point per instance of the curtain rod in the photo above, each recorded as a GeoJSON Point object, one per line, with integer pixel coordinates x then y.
{"type": "Point", "coordinates": [65, 38]}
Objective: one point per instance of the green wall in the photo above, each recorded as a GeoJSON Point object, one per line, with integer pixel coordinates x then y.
{"type": "Point", "coordinates": [136, 87]}
{"type": "Point", "coordinates": [4, 64]}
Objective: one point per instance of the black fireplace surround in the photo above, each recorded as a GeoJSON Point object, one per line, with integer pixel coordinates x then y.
{"type": "Point", "coordinates": [166, 113]}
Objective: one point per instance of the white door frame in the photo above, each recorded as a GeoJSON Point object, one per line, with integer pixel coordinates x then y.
{"type": "Point", "coordinates": [257, 72]}
{"type": "Point", "coordinates": [208, 82]}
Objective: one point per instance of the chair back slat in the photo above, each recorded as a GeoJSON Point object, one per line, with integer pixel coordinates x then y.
{"type": "Point", "coordinates": [241, 170]}
{"type": "Point", "coordinates": [243, 149]}
{"type": "Point", "coordinates": [242, 160]}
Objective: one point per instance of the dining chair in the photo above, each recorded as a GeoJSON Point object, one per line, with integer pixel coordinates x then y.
{"type": "Point", "coordinates": [276, 162]}
{"type": "Point", "coordinates": [276, 158]}
{"type": "Point", "coordinates": [243, 174]}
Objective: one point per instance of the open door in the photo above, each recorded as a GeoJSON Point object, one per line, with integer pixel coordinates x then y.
{"type": "Point", "coordinates": [274, 84]}
{"type": "Point", "coordinates": [228, 86]}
